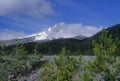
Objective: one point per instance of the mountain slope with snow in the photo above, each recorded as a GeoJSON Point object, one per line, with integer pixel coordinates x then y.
{"type": "Point", "coordinates": [63, 30]}
{"type": "Point", "coordinates": [58, 31]}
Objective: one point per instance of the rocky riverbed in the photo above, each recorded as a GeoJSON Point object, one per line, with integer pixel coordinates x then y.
{"type": "Point", "coordinates": [35, 75]}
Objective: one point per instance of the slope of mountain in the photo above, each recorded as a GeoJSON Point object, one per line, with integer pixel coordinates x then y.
{"type": "Point", "coordinates": [114, 31]}
{"type": "Point", "coordinates": [80, 37]}
{"type": "Point", "coordinates": [74, 45]}
{"type": "Point", "coordinates": [55, 32]}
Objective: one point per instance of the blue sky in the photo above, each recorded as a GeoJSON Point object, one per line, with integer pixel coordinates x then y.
{"type": "Point", "coordinates": [30, 16]}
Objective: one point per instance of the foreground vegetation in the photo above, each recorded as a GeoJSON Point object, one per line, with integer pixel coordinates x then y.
{"type": "Point", "coordinates": [105, 66]}
{"type": "Point", "coordinates": [17, 61]}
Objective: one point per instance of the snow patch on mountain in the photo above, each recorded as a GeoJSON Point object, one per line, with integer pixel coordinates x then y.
{"type": "Point", "coordinates": [63, 30]}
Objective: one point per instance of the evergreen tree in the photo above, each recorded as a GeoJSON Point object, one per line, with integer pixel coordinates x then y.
{"type": "Point", "coordinates": [104, 51]}
{"type": "Point", "coordinates": [36, 49]}
{"type": "Point", "coordinates": [61, 69]}
{"type": "Point", "coordinates": [86, 76]}
{"type": "Point", "coordinates": [3, 50]}
{"type": "Point", "coordinates": [19, 50]}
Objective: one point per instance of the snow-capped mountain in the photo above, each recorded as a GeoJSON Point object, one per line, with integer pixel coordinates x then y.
{"type": "Point", "coordinates": [60, 30]}
{"type": "Point", "coordinates": [51, 33]}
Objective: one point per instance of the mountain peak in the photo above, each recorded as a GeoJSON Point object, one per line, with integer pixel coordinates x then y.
{"type": "Point", "coordinates": [63, 30]}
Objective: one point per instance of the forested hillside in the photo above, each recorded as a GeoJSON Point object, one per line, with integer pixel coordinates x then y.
{"type": "Point", "coordinates": [74, 46]}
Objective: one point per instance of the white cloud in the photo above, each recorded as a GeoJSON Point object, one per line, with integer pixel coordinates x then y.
{"type": "Point", "coordinates": [9, 34]}
{"type": "Point", "coordinates": [71, 30]}
{"type": "Point", "coordinates": [63, 30]}
{"type": "Point", "coordinates": [26, 7]}
{"type": "Point", "coordinates": [60, 30]}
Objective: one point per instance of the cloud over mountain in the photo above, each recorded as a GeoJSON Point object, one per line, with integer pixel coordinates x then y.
{"type": "Point", "coordinates": [63, 30]}
{"type": "Point", "coordinates": [60, 30]}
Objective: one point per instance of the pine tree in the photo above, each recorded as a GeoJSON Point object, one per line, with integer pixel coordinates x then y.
{"type": "Point", "coordinates": [104, 51]}
{"type": "Point", "coordinates": [86, 76]}
{"type": "Point", "coordinates": [3, 50]}
{"type": "Point", "coordinates": [61, 69]}
{"type": "Point", "coordinates": [19, 50]}
{"type": "Point", "coordinates": [36, 48]}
